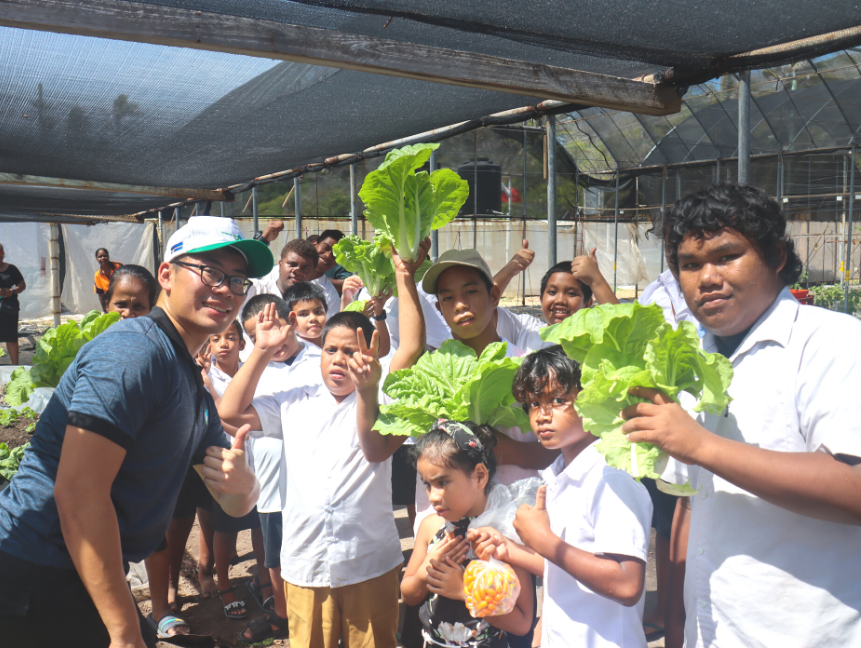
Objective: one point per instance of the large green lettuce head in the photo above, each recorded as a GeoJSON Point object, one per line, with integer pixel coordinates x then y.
{"type": "Point", "coordinates": [621, 346]}
{"type": "Point", "coordinates": [453, 383]}
{"type": "Point", "coordinates": [403, 206]}
{"type": "Point", "coordinates": [368, 259]}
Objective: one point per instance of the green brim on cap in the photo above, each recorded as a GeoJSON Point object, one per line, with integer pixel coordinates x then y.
{"type": "Point", "coordinates": [257, 254]}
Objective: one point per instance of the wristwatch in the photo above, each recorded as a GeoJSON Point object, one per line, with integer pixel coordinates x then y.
{"type": "Point", "coordinates": [379, 318]}
{"type": "Point", "coordinates": [259, 237]}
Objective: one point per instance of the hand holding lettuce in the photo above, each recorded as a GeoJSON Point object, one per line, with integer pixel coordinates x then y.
{"type": "Point", "coordinates": [404, 206]}
{"type": "Point", "coordinates": [368, 259]}
{"type": "Point", "coordinates": [456, 384]}
{"type": "Point", "coordinates": [620, 346]}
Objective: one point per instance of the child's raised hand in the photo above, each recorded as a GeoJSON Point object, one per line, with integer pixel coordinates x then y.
{"type": "Point", "coordinates": [411, 267]}
{"type": "Point", "coordinates": [488, 543]}
{"type": "Point", "coordinates": [272, 333]}
{"type": "Point", "coordinates": [378, 302]}
{"type": "Point", "coordinates": [445, 577]}
{"type": "Point", "coordinates": [204, 359]}
{"type": "Point", "coordinates": [524, 257]}
{"type": "Point", "coordinates": [532, 523]}
{"type": "Point", "coordinates": [364, 366]}
{"type": "Point", "coordinates": [454, 547]}
{"type": "Point", "coordinates": [585, 268]}
{"type": "Point", "coordinates": [351, 287]}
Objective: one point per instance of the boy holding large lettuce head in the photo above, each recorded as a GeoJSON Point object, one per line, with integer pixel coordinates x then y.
{"type": "Point", "coordinates": [774, 529]}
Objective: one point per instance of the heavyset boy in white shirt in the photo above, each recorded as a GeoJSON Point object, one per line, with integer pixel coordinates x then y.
{"type": "Point", "coordinates": [758, 574]}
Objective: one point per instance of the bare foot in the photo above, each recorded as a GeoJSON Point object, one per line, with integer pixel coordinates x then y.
{"type": "Point", "coordinates": [208, 589]}
{"type": "Point", "coordinates": [174, 601]}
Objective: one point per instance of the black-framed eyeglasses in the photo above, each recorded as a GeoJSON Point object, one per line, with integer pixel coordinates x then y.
{"type": "Point", "coordinates": [214, 277]}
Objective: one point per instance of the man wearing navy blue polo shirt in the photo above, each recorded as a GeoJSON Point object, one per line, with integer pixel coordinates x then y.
{"type": "Point", "coordinates": [100, 481]}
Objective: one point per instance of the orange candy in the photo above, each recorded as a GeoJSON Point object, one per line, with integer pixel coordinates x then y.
{"type": "Point", "coordinates": [491, 588]}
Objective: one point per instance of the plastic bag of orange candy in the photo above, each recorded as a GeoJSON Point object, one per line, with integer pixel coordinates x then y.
{"type": "Point", "coordinates": [491, 588]}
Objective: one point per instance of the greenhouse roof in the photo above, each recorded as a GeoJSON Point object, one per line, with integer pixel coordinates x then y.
{"type": "Point", "coordinates": [113, 107]}
{"type": "Point", "coordinates": [810, 105]}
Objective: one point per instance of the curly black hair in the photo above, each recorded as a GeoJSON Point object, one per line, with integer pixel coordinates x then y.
{"type": "Point", "coordinates": [747, 210]}
{"type": "Point", "coordinates": [546, 368]}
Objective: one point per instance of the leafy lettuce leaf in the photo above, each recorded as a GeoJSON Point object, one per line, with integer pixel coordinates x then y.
{"type": "Point", "coordinates": [55, 351]}
{"type": "Point", "coordinates": [620, 346]}
{"type": "Point", "coordinates": [456, 384]}
{"type": "Point", "coordinates": [368, 259]}
{"type": "Point", "coordinates": [357, 306]}
{"type": "Point", "coordinates": [19, 387]}
{"type": "Point", "coordinates": [404, 206]}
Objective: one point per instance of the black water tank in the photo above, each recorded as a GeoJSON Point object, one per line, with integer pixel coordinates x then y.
{"type": "Point", "coordinates": [489, 186]}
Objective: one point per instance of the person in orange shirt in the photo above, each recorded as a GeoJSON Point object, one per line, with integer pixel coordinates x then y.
{"type": "Point", "coordinates": [103, 275]}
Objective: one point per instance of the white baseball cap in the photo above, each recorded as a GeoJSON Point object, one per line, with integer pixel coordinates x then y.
{"type": "Point", "coordinates": [205, 233]}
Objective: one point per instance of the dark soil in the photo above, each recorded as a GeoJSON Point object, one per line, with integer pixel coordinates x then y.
{"type": "Point", "coordinates": [14, 435]}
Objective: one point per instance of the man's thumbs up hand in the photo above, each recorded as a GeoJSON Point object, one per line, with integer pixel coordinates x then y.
{"type": "Point", "coordinates": [226, 471]}
{"type": "Point", "coordinates": [533, 524]}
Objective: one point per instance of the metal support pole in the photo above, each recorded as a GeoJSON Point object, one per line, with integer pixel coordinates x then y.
{"type": "Point", "coordinates": [551, 189]}
{"type": "Point", "coordinates": [848, 267]}
{"type": "Point", "coordinates": [221, 204]}
{"type": "Point", "coordinates": [354, 224]}
{"type": "Point", "coordinates": [54, 251]}
{"type": "Point", "coordinates": [744, 128]}
{"type": "Point", "coordinates": [297, 196]}
{"type": "Point", "coordinates": [175, 219]}
{"type": "Point", "coordinates": [717, 171]}
{"type": "Point", "coordinates": [435, 233]}
{"type": "Point", "coordinates": [254, 210]}
{"type": "Point", "coordinates": [807, 238]}
{"type": "Point", "coordinates": [160, 236]}
{"type": "Point", "coordinates": [576, 204]}
{"type": "Point", "coordinates": [523, 204]}
{"type": "Point", "coordinates": [779, 191]}
{"type": "Point", "coordinates": [475, 190]}
{"type": "Point", "coordinates": [663, 215]}
{"type": "Point", "coordinates": [616, 236]}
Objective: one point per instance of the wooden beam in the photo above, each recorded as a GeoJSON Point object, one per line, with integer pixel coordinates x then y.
{"type": "Point", "coordinates": [87, 185]}
{"type": "Point", "coordinates": [162, 25]}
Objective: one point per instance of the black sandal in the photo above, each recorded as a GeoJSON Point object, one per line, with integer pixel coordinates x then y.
{"type": "Point", "coordinates": [261, 629]}
{"type": "Point", "coordinates": [236, 605]}
{"type": "Point", "coordinates": [255, 588]}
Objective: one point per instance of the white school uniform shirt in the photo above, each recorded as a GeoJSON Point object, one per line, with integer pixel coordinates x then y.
{"type": "Point", "coordinates": [759, 575]}
{"type": "Point", "coordinates": [333, 299]}
{"type": "Point", "coordinates": [267, 453]}
{"type": "Point", "coordinates": [666, 293]}
{"type": "Point", "coordinates": [522, 329]}
{"type": "Point", "coordinates": [601, 510]}
{"type": "Point", "coordinates": [505, 474]}
{"type": "Point", "coordinates": [338, 523]}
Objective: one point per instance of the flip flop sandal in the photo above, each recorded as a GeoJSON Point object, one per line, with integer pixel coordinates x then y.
{"type": "Point", "coordinates": [236, 605]}
{"type": "Point", "coordinates": [167, 623]}
{"type": "Point", "coordinates": [655, 634]}
{"type": "Point", "coordinates": [261, 629]}
{"type": "Point", "coordinates": [255, 588]}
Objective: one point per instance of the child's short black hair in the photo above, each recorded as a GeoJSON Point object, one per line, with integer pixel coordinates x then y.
{"type": "Point", "coordinates": [747, 210]}
{"type": "Point", "coordinates": [564, 266]}
{"type": "Point", "coordinates": [335, 235]}
{"type": "Point", "coordinates": [137, 272]}
{"type": "Point", "coordinates": [305, 291]}
{"type": "Point", "coordinates": [238, 326]}
{"type": "Point", "coordinates": [256, 304]}
{"type": "Point", "coordinates": [545, 368]}
{"type": "Point", "coordinates": [351, 320]}
{"type": "Point", "coordinates": [440, 448]}
{"type": "Point", "coordinates": [302, 248]}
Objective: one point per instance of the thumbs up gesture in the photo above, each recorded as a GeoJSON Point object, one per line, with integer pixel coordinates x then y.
{"type": "Point", "coordinates": [226, 471]}
{"type": "Point", "coordinates": [585, 268]}
{"type": "Point", "coordinates": [524, 257]}
{"type": "Point", "coordinates": [532, 523]}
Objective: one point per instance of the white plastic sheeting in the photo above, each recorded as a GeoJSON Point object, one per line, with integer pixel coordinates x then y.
{"type": "Point", "coordinates": [26, 246]}
{"type": "Point", "coordinates": [126, 243]}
